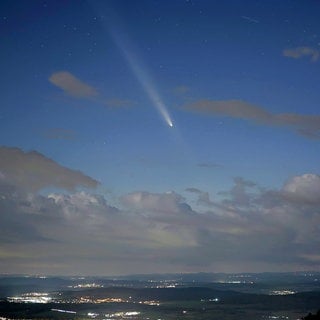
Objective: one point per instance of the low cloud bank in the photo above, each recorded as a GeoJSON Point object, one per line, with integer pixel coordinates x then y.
{"type": "Point", "coordinates": [245, 226]}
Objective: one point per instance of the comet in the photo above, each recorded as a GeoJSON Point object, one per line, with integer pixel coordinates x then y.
{"type": "Point", "coordinates": [140, 73]}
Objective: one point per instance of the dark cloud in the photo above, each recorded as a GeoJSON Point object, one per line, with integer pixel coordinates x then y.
{"type": "Point", "coordinates": [193, 190]}
{"type": "Point", "coordinates": [33, 171]}
{"type": "Point", "coordinates": [269, 226]}
{"type": "Point", "coordinates": [238, 195]}
{"type": "Point", "coordinates": [307, 125]}
{"type": "Point", "coordinates": [21, 215]}
{"type": "Point", "coordinates": [204, 199]}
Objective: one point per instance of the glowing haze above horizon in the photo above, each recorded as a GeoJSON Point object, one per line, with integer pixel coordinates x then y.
{"type": "Point", "coordinates": [159, 136]}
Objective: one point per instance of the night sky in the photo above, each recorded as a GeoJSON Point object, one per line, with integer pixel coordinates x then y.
{"type": "Point", "coordinates": [159, 136]}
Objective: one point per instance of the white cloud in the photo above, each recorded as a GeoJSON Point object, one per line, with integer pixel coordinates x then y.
{"type": "Point", "coordinates": [304, 188]}
{"type": "Point", "coordinates": [167, 203]}
{"type": "Point", "coordinates": [85, 207]}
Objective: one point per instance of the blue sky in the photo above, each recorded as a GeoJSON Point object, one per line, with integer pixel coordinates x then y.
{"type": "Point", "coordinates": [90, 90]}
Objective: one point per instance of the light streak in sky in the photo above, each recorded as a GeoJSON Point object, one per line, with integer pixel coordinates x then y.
{"type": "Point", "coordinates": [140, 73]}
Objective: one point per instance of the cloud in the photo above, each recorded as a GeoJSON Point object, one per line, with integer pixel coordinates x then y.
{"type": "Point", "coordinates": [181, 90]}
{"type": "Point", "coordinates": [62, 233]}
{"type": "Point", "coordinates": [307, 125]}
{"type": "Point", "coordinates": [304, 188]}
{"type": "Point", "coordinates": [209, 165]}
{"type": "Point", "coordinates": [164, 203]}
{"type": "Point", "coordinates": [60, 134]}
{"type": "Point", "coordinates": [72, 86]}
{"type": "Point", "coordinates": [21, 214]}
{"type": "Point", "coordinates": [33, 171]}
{"type": "Point", "coordinates": [250, 19]}
{"type": "Point", "coordinates": [274, 225]}
{"type": "Point", "coordinates": [238, 194]}
{"type": "Point", "coordinates": [77, 204]}
{"type": "Point", "coordinates": [193, 190]}
{"type": "Point", "coordinates": [118, 103]}
{"type": "Point", "coordinates": [81, 229]}
{"type": "Point", "coordinates": [232, 108]}
{"type": "Point", "coordinates": [300, 52]}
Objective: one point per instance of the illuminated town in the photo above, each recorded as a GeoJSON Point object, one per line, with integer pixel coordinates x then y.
{"type": "Point", "coordinates": [37, 297]}
{"type": "Point", "coordinates": [184, 296]}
